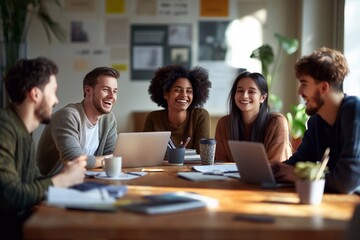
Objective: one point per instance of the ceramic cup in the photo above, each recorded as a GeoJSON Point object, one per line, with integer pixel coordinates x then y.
{"type": "Point", "coordinates": [207, 151]}
{"type": "Point", "coordinates": [176, 156]}
{"type": "Point", "coordinates": [112, 166]}
{"type": "Point", "coordinates": [310, 192]}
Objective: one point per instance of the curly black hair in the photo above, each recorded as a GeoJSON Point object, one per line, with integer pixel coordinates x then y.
{"type": "Point", "coordinates": [165, 77]}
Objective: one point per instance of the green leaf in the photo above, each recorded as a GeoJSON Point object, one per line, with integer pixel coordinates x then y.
{"type": "Point", "coordinates": [308, 170]}
{"type": "Point", "coordinates": [275, 103]}
{"type": "Point", "coordinates": [297, 119]}
{"type": "Point", "coordinates": [290, 45]}
{"type": "Point", "coordinates": [265, 54]}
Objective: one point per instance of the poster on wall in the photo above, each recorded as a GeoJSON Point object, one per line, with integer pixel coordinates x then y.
{"type": "Point", "coordinates": [154, 46]}
{"type": "Point", "coordinates": [212, 40]}
{"type": "Point", "coordinates": [214, 8]}
{"type": "Point", "coordinates": [171, 8]}
{"type": "Point", "coordinates": [84, 31]}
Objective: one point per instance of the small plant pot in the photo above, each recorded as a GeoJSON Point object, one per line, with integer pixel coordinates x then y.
{"type": "Point", "coordinates": [310, 192]}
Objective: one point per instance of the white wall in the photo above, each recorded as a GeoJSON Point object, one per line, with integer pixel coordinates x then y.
{"type": "Point", "coordinates": [317, 25]}
{"type": "Point", "coordinates": [283, 16]}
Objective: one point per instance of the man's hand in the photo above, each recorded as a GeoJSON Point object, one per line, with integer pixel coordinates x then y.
{"type": "Point", "coordinates": [72, 173]}
{"type": "Point", "coordinates": [284, 172]}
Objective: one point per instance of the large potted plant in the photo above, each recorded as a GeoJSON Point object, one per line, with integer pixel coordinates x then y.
{"type": "Point", "coordinates": [16, 17]}
{"type": "Point", "coordinates": [297, 119]}
{"type": "Point", "coordinates": [270, 63]}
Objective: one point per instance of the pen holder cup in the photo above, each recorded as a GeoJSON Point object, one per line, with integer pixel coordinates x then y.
{"type": "Point", "coordinates": [176, 156]}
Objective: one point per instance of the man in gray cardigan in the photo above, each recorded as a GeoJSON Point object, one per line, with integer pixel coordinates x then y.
{"type": "Point", "coordinates": [88, 127]}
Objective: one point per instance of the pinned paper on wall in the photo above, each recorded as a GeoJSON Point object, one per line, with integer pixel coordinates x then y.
{"type": "Point", "coordinates": [79, 5]}
{"type": "Point", "coordinates": [121, 67]}
{"type": "Point", "coordinates": [147, 57]}
{"type": "Point", "coordinates": [146, 7]}
{"type": "Point", "coordinates": [81, 65]}
{"type": "Point", "coordinates": [214, 8]}
{"type": "Point", "coordinates": [85, 31]}
{"type": "Point", "coordinates": [115, 7]}
{"type": "Point", "coordinates": [170, 8]}
{"type": "Point", "coordinates": [117, 31]}
{"type": "Point", "coordinates": [119, 53]}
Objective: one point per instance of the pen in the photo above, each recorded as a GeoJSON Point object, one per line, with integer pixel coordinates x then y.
{"type": "Point", "coordinates": [183, 144]}
{"type": "Point", "coordinates": [101, 194]}
{"type": "Point", "coordinates": [171, 144]}
{"type": "Point", "coordinates": [218, 173]}
{"type": "Point", "coordinates": [254, 218]}
{"type": "Point", "coordinates": [324, 162]}
{"type": "Point", "coordinates": [133, 173]}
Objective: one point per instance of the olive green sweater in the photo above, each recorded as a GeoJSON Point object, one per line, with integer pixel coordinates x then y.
{"type": "Point", "coordinates": [21, 184]}
{"type": "Point", "coordinates": [196, 126]}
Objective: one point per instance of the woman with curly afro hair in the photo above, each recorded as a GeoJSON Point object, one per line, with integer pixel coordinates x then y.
{"type": "Point", "coordinates": [182, 92]}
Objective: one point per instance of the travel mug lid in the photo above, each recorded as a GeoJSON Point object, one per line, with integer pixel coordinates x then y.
{"type": "Point", "coordinates": [207, 141]}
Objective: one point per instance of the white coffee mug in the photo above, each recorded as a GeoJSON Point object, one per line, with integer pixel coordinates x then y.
{"type": "Point", "coordinates": [112, 166]}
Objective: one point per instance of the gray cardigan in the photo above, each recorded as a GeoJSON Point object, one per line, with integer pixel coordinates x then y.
{"type": "Point", "coordinates": [64, 138]}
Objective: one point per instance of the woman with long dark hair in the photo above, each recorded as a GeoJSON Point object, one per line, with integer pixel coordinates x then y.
{"type": "Point", "coordinates": [251, 120]}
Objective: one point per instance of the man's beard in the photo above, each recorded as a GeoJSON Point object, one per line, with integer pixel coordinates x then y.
{"type": "Point", "coordinates": [98, 106]}
{"type": "Point", "coordinates": [319, 103]}
{"type": "Point", "coordinates": [43, 113]}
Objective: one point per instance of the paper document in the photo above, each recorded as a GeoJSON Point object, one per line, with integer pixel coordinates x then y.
{"type": "Point", "coordinates": [221, 168]}
{"type": "Point", "coordinates": [200, 177]}
{"type": "Point", "coordinates": [71, 197]}
{"type": "Point", "coordinates": [89, 195]}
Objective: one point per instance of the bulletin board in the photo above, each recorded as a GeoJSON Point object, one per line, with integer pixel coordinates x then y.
{"type": "Point", "coordinates": [154, 46]}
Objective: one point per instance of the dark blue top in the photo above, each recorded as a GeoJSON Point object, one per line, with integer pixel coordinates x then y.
{"type": "Point", "coordinates": [343, 138]}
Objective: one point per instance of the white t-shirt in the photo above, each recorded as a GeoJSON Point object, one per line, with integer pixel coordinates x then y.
{"type": "Point", "coordinates": [92, 137]}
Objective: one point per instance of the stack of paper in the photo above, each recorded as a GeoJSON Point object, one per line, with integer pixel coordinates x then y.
{"type": "Point", "coordinates": [191, 156]}
{"type": "Point", "coordinates": [213, 172]}
{"type": "Point", "coordinates": [85, 197]}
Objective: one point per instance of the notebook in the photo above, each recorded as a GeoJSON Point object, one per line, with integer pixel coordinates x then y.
{"type": "Point", "coordinates": [142, 149]}
{"type": "Point", "coordinates": [171, 202]}
{"type": "Point", "coordinates": [253, 165]}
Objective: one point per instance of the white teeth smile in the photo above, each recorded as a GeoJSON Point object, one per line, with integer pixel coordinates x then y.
{"type": "Point", "coordinates": [244, 102]}
{"type": "Point", "coordinates": [108, 103]}
{"type": "Point", "coordinates": [181, 101]}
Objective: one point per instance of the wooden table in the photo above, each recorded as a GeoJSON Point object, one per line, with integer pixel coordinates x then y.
{"type": "Point", "coordinates": [328, 220]}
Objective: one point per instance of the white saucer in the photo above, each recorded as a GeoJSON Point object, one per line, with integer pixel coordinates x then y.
{"type": "Point", "coordinates": [123, 176]}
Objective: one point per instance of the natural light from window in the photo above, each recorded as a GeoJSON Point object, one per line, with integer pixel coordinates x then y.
{"type": "Point", "coordinates": [243, 36]}
{"type": "Point", "coordinates": [352, 46]}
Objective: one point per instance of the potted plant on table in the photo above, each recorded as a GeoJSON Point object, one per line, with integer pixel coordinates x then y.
{"type": "Point", "coordinates": [311, 180]}
{"type": "Point", "coordinates": [16, 17]}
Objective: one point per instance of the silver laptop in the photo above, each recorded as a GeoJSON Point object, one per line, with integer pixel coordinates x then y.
{"type": "Point", "coordinates": [252, 162]}
{"type": "Point", "coordinates": [142, 149]}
